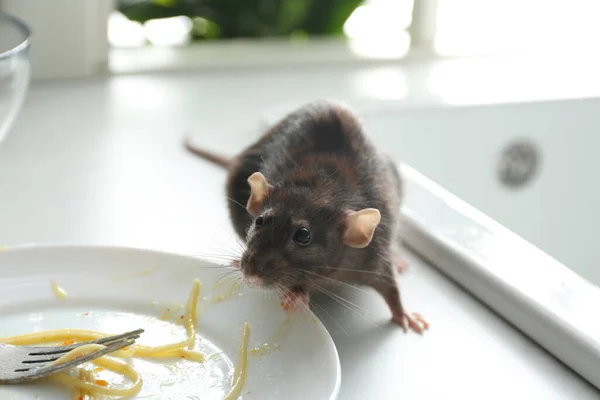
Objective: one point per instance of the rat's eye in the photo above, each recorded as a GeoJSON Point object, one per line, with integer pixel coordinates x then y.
{"type": "Point", "coordinates": [302, 236]}
{"type": "Point", "coordinates": [259, 221]}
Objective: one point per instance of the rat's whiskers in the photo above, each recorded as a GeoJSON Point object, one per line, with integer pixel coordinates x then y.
{"type": "Point", "coordinates": [350, 306]}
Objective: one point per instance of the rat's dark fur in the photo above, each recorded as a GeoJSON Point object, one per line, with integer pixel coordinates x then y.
{"type": "Point", "coordinates": [320, 164]}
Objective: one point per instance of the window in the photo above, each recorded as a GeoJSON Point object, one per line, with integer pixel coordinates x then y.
{"type": "Point", "coordinates": [444, 27]}
{"type": "Point", "coordinates": [374, 27]}
{"type": "Point", "coordinates": [385, 29]}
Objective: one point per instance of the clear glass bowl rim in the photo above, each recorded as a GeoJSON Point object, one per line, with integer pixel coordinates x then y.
{"type": "Point", "coordinates": [21, 27]}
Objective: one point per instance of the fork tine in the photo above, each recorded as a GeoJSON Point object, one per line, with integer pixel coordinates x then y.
{"type": "Point", "coordinates": [42, 360]}
{"type": "Point", "coordinates": [41, 372]}
{"type": "Point", "coordinates": [135, 334]}
{"type": "Point", "coordinates": [46, 351]}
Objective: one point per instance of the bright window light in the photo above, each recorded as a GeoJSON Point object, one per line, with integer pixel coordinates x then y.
{"type": "Point", "coordinates": [173, 31]}
{"type": "Point", "coordinates": [124, 33]}
{"type": "Point", "coordinates": [377, 29]}
{"type": "Point", "coordinates": [472, 27]}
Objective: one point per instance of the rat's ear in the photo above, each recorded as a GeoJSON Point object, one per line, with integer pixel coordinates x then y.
{"type": "Point", "coordinates": [259, 190]}
{"type": "Point", "coordinates": [359, 227]}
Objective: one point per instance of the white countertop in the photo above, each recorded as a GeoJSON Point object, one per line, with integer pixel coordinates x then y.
{"type": "Point", "coordinates": [101, 162]}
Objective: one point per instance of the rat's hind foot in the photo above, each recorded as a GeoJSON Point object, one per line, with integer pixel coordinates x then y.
{"type": "Point", "coordinates": [414, 321]}
{"type": "Point", "coordinates": [293, 302]}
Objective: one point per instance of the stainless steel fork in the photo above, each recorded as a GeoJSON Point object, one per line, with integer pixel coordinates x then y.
{"type": "Point", "coordinates": [26, 363]}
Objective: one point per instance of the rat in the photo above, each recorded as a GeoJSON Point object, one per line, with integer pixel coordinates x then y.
{"type": "Point", "coordinates": [317, 203]}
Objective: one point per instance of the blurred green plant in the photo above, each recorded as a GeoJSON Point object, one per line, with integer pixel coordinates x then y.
{"type": "Point", "coordinates": [226, 19]}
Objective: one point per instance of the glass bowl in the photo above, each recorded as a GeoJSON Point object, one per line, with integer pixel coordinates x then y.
{"type": "Point", "coordinates": [14, 69]}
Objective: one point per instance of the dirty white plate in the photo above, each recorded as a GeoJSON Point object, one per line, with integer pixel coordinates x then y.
{"type": "Point", "coordinates": [114, 290]}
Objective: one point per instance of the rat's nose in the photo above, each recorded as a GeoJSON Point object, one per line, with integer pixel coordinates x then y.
{"type": "Point", "coordinates": [253, 280]}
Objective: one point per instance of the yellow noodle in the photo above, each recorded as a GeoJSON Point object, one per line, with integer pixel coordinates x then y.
{"type": "Point", "coordinates": [79, 394]}
{"type": "Point", "coordinates": [95, 389]}
{"type": "Point", "coordinates": [239, 374]}
{"type": "Point", "coordinates": [89, 377]}
{"type": "Point", "coordinates": [79, 335]}
{"type": "Point", "coordinates": [78, 352]}
{"type": "Point", "coordinates": [190, 327]}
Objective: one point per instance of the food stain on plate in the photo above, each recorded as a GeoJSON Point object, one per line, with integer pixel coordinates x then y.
{"type": "Point", "coordinates": [138, 274]}
{"type": "Point", "coordinates": [225, 293]}
{"type": "Point", "coordinates": [273, 343]}
{"type": "Point", "coordinates": [170, 312]}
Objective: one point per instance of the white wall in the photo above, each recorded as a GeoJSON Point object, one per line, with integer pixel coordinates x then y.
{"type": "Point", "coordinates": [69, 36]}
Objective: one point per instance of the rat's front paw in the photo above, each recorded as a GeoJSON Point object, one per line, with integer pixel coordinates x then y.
{"type": "Point", "coordinates": [293, 302]}
{"type": "Point", "coordinates": [414, 321]}
{"type": "Point", "coordinates": [400, 263]}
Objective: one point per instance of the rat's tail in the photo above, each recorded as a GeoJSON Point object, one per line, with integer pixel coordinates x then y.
{"type": "Point", "coordinates": [207, 155]}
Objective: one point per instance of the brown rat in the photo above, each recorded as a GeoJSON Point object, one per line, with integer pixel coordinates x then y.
{"type": "Point", "coordinates": [322, 204]}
